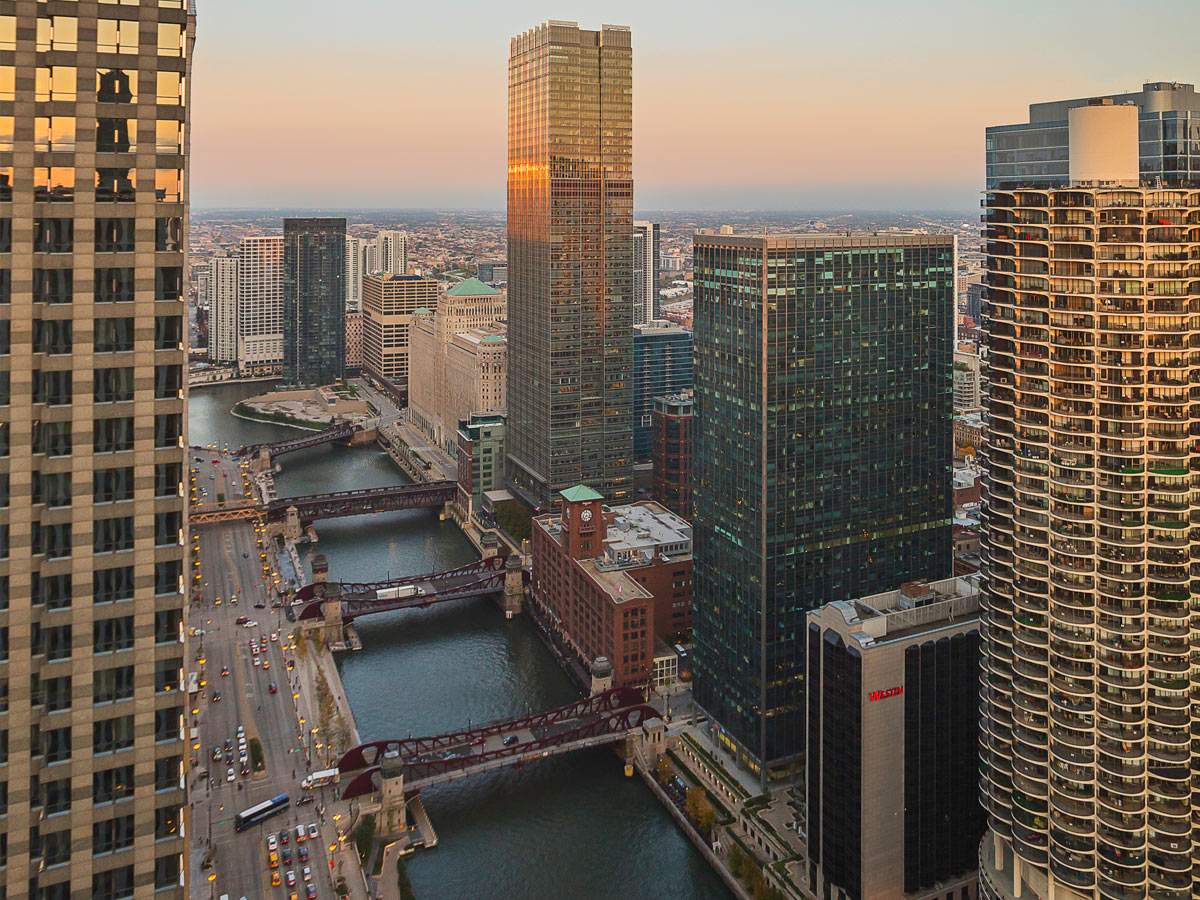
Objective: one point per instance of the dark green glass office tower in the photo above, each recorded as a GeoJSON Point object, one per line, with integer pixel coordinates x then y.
{"type": "Point", "coordinates": [823, 386]}
{"type": "Point", "coordinates": [314, 301]}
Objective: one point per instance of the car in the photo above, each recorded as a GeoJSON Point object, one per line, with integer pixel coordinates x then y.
{"type": "Point", "coordinates": [272, 688]}
{"type": "Point", "coordinates": [275, 636]}
{"type": "Point", "coordinates": [301, 834]}
{"type": "Point", "coordinates": [284, 836]}
{"type": "Point", "coordinates": [266, 663]}
{"type": "Point", "coordinates": [305, 800]}
{"type": "Point", "coordinates": [233, 599]}
{"type": "Point", "coordinates": [291, 664]}
{"type": "Point", "coordinates": [228, 745]}
{"type": "Point", "coordinates": [245, 555]}
{"type": "Point", "coordinates": [303, 851]}
{"type": "Point", "coordinates": [276, 879]}
{"type": "Point", "coordinates": [307, 873]}
{"type": "Point", "coordinates": [241, 620]}
{"type": "Point", "coordinates": [272, 842]}
{"type": "Point", "coordinates": [510, 740]}
{"type": "Point", "coordinates": [286, 855]}
{"type": "Point", "coordinates": [257, 661]}
{"type": "Point", "coordinates": [245, 770]}
{"type": "Point", "coordinates": [228, 757]}
{"type": "Point", "coordinates": [240, 731]}
{"type": "Point", "coordinates": [260, 605]}
{"type": "Point", "coordinates": [229, 774]}
{"type": "Point", "coordinates": [292, 895]}
{"type": "Point", "coordinates": [224, 671]}
{"type": "Point", "coordinates": [310, 891]}
{"type": "Point", "coordinates": [216, 697]}
{"type": "Point", "coordinates": [216, 754]}
{"type": "Point", "coordinates": [216, 601]}
{"type": "Point", "coordinates": [273, 860]}
{"type": "Point", "coordinates": [290, 878]}
{"type": "Point", "coordinates": [313, 832]}
{"type": "Point", "coordinates": [249, 623]}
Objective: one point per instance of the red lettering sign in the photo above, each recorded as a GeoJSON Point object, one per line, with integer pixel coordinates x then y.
{"type": "Point", "coordinates": [885, 693]}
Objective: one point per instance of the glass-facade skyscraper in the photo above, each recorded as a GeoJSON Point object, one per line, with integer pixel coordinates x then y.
{"type": "Point", "coordinates": [570, 261]}
{"type": "Point", "coordinates": [823, 450]}
{"type": "Point", "coordinates": [314, 301]}
{"type": "Point", "coordinates": [93, 404]}
{"type": "Point", "coordinates": [662, 365]}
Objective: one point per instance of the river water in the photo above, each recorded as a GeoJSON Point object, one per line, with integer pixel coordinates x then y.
{"type": "Point", "coordinates": [572, 827]}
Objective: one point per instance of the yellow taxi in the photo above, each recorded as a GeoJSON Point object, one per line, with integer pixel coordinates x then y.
{"type": "Point", "coordinates": [273, 859]}
{"type": "Point", "coordinates": [276, 881]}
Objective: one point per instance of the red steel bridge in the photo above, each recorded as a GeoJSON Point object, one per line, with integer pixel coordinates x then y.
{"type": "Point", "coordinates": [428, 495]}
{"type": "Point", "coordinates": [425, 761]}
{"type": "Point", "coordinates": [477, 579]}
{"type": "Point", "coordinates": [335, 433]}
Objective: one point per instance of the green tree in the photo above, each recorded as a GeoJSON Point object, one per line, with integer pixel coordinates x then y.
{"type": "Point", "coordinates": [662, 770]}
{"type": "Point", "coordinates": [737, 859]}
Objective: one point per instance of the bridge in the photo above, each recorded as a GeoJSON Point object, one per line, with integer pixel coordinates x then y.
{"type": "Point", "coordinates": [429, 495]}
{"type": "Point", "coordinates": [416, 763]}
{"type": "Point", "coordinates": [478, 579]}
{"type": "Point", "coordinates": [231, 512]}
{"type": "Point", "coordinates": [343, 432]}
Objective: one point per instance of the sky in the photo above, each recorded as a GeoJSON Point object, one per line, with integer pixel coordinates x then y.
{"type": "Point", "coordinates": [758, 104]}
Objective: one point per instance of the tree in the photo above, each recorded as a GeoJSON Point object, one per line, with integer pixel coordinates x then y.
{"type": "Point", "coordinates": [737, 859]}
{"type": "Point", "coordinates": [699, 810]}
{"type": "Point", "coordinates": [662, 770]}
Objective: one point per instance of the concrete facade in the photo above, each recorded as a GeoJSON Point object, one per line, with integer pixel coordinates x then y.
{"type": "Point", "coordinates": [354, 340]}
{"type": "Point", "coordinates": [260, 305]}
{"type": "Point", "coordinates": [389, 304]}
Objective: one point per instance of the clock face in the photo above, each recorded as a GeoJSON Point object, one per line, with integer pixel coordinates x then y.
{"type": "Point", "coordinates": [586, 515]}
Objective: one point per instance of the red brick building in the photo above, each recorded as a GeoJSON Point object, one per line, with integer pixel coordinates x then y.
{"type": "Point", "coordinates": [614, 579]}
{"type": "Point", "coordinates": [671, 436]}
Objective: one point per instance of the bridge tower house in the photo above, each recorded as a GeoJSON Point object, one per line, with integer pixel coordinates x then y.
{"type": "Point", "coordinates": [514, 586]}
{"type": "Point", "coordinates": [293, 528]}
{"type": "Point", "coordinates": [393, 811]}
{"type": "Point", "coordinates": [331, 609]}
{"type": "Point", "coordinates": [263, 462]}
{"type": "Point", "coordinates": [602, 675]}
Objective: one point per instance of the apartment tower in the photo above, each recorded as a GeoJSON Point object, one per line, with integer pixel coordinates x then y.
{"type": "Point", "coordinates": [223, 320]}
{"type": "Point", "coordinates": [570, 259]}
{"type": "Point", "coordinates": [393, 252]}
{"type": "Point", "coordinates": [314, 301]}
{"type": "Point", "coordinates": [93, 260]}
{"type": "Point", "coordinates": [260, 305]}
{"type": "Point", "coordinates": [821, 469]}
{"type": "Point", "coordinates": [1089, 508]}
{"type": "Point", "coordinates": [647, 303]}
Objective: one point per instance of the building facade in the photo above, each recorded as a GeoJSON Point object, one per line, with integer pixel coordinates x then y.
{"type": "Point", "coordinates": [392, 250]}
{"type": "Point", "coordinates": [1088, 502]}
{"type": "Point", "coordinates": [1037, 152]}
{"type": "Point", "coordinates": [93, 377]}
{"type": "Point", "coordinates": [314, 301]}
{"type": "Point", "coordinates": [613, 580]}
{"type": "Point", "coordinates": [646, 269]}
{"type": "Point", "coordinates": [662, 364]}
{"type": "Point", "coordinates": [389, 304]}
{"type": "Point", "coordinates": [672, 428]}
{"type": "Point", "coordinates": [893, 744]}
{"type": "Point", "coordinates": [821, 467]}
{"type": "Point", "coordinates": [492, 271]}
{"type": "Point", "coordinates": [260, 305]}
{"type": "Point", "coordinates": [224, 320]}
{"type": "Point", "coordinates": [570, 257]}
{"type": "Point", "coordinates": [354, 273]}
{"type": "Point", "coordinates": [968, 379]}
{"type": "Point", "coordinates": [354, 341]}
{"type": "Point", "coordinates": [480, 455]}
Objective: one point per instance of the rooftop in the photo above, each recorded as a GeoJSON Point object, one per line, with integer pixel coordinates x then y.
{"type": "Point", "coordinates": [614, 582]}
{"type": "Point", "coordinates": [472, 287]}
{"type": "Point", "coordinates": [581, 493]}
{"type": "Point", "coordinates": [917, 607]}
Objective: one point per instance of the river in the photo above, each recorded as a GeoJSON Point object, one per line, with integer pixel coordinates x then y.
{"type": "Point", "coordinates": [572, 827]}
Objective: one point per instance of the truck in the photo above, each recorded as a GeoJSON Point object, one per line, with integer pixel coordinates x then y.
{"type": "Point", "coordinates": [320, 779]}
{"type": "Point", "coordinates": [398, 593]}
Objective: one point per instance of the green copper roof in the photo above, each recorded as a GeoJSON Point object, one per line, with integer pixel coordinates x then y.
{"type": "Point", "coordinates": [494, 339]}
{"type": "Point", "coordinates": [472, 287]}
{"type": "Point", "coordinates": [579, 494]}
{"type": "Point", "coordinates": [422, 311]}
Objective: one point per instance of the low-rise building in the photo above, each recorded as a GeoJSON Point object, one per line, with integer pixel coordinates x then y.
{"type": "Point", "coordinates": [968, 434]}
{"type": "Point", "coordinates": [671, 428]}
{"type": "Point", "coordinates": [968, 381]}
{"type": "Point", "coordinates": [613, 580]}
{"type": "Point", "coordinates": [892, 724]}
{"type": "Point", "coordinates": [480, 453]}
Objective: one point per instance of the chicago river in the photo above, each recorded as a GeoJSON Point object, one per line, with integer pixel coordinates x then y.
{"type": "Point", "coordinates": [567, 827]}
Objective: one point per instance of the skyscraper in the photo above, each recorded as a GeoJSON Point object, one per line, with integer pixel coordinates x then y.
{"type": "Point", "coordinates": [1089, 512]}
{"type": "Point", "coordinates": [646, 267]}
{"type": "Point", "coordinates": [92, 592]}
{"type": "Point", "coordinates": [260, 305]}
{"type": "Point", "coordinates": [314, 301]}
{"type": "Point", "coordinates": [389, 302]}
{"type": "Point", "coordinates": [223, 321]}
{"type": "Point", "coordinates": [822, 458]}
{"type": "Point", "coordinates": [570, 260]}
{"type": "Point", "coordinates": [662, 364]}
{"type": "Point", "coordinates": [354, 273]}
{"type": "Point", "coordinates": [393, 252]}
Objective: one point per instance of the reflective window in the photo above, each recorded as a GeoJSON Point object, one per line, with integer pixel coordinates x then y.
{"type": "Point", "coordinates": [54, 183]}
{"type": "Point", "coordinates": [168, 136]}
{"type": "Point", "coordinates": [170, 88]}
{"type": "Point", "coordinates": [8, 82]}
{"type": "Point", "coordinates": [116, 36]}
{"type": "Point", "coordinates": [116, 135]}
{"type": "Point", "coordinates": [168, 233]}
{"type": "Point", "coordinates": [114, 184]}
{"type": "Point", "coordinates": [59, 33]}
{"type": "Point", "coordinates": [8, 32]}
{"type": "Point", "coordinates": [168, 185]}
{"type": "Point", "coordinates": [116, 85]}
{"type": "Point", "coordinates": [6, 133]}
{"type": "Point", "coordinates": [55, 83]}
{"type": "Point", "coordinates": [6, 180]}
{"type": "Point", "coordinates": [54, 133]}
{"type": "Point", "coordinates": [170, 39]}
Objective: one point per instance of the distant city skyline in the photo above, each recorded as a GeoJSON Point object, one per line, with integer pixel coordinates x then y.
{"type": "Point", "coordinates": [856, 106]}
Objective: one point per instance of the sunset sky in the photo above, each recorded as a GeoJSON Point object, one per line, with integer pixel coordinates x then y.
{"type": "Point", "coordinates": [758, 104]}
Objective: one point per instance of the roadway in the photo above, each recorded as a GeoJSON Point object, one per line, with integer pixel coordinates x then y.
{"type": "Point", "coordinates": [231, 566]}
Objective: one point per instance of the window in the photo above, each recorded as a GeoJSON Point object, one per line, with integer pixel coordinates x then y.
{"type": "Point", "coordinates": [168, 332]}
{"type": "Point", "coordinates": [5, 490]}
{"type": "Point", "coordinates": [52, 184]}
{"type": "Point", "coordinates": [114, 235]}
{"type": "Point", "coordinates": [115, 185]}
{"type": "Point", "coordinates": [166, 675]}
{"type": "Point", "coordinates": [116, 36]}
{"type": "Point", "coordinates": [168, 185]}
{"type": "Point", "coordinates": [52, 336]}
{"type": "Point", "coordinates": [168, 381]}
{"type": "Point", "coordinates": [167, 723]}
{"type": "Point", "coordinates": [53, 235]}
{"type": "Point", "coordinates": [56, 847]}
{"type": "Point", "coordinates": [111, 585]}
{"type": "Point", "coordinates": [112, 485]}
{"type": "Point", "coordinates": [56, 796]}
{"type": "Point", "coordinates": [54, 133]}
{"type": "Point", "coordinates": [114, 335]}
{"type": "Point", "coordinates": [6, 181]}
{"type": "Point", "coordinates": [113, 535]}
{"type": "Point", "coordinates": [53, 285]}
{"type": "Point", "coordinates": [116, 85]}
{"type": "Point", "coordinates": [166, 626]}
{"type": "Point", "coordinates": [166, 773]}
{"type": "Point", "coordinates": [170, 39]}
{"type": "Point", "coordinates": [7, 132]}
{"type": "Point", "coordinates": [51, 591]}
{"type": "Point", "coordinates": [113, 435]}
{"type": "Point", "coordinates": [8, 82]}
{"type": "Point", "coordinates": [116, 135]}
{"type": "Point", "coordinates": [167, 526]}
{"type": "Point", "coordinates": [5, 276]}
{"type": "Point", "coordinates": [168, 429]}
{"type": "Point", "coordinates": [52, 438]}
{"type": "Point", "coordinates": [8, 32]}
{"type": "Point", "coordinates": [170, 89]}
{"type": "Point", "coordinates": [112, 834]}
{"type": "Point", "coordinates": [168, 576]}
{"type": "Point", "coordinates": [3, 592]}
{"type": "Point", "coordinates": [109, 685]}
{"type": "Point", "coordinates": [167, 478]}
{"type": "Point", "coordinates": [168, 283]}
{"type": "Point", "coordinates": [53, 640]}
{"type": "Point", "coordinates": [51, 388]}
{"type": "Point", "coordinates": [57, 33]}
{"type": "Point", "coordinates": [166, 868]}
{"type": "Point", "coordinates": [166, 822]}
{"type": "Point", "coordinates": [52, 488]}
{"type": "Point", "coordinates": [113, 385]}
{"type": "Point", "coordinates": [110, 735]}
{"type": "Point", "coordinates": [56, 693]}
{"type": "Point", "coordinates": [111, 635]}
{"type": "Point", "coordinates": [56, 744]}
{"type": "Point", "coordinates": [54, 83]}
{"type": "Point", "coordinates": [5, 235]}
{"type": "Point", "coordinates": [112, 784]}
{"type": "Point", "coordinates": [168, 136]}
{"type": "Point", "coordinates": [168, 234]}
{"type": "Point", "coordinates": [52, 540]}
{"type": "Point", "coordinates": [114, 285]}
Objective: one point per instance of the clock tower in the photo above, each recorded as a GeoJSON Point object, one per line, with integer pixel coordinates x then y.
{"type": "Point", "coordinates": [583, 521]}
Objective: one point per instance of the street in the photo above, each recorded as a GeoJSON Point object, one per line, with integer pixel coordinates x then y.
{"type": "Point", "coordinates": [236, 579]}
